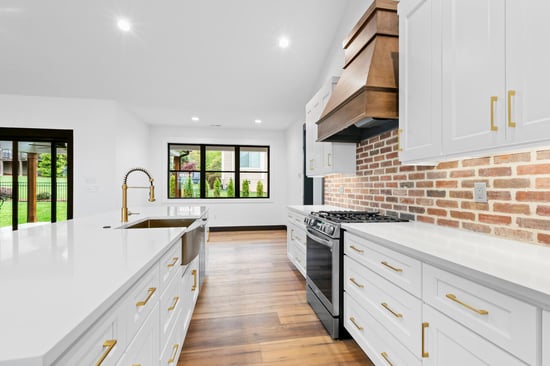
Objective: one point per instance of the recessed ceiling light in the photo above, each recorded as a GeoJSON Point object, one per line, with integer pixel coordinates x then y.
{"type": "Point", "coordinates": [284, 42]}
{"type": "Point", "coordinates": [195, 118]}
{"type": "Point", "coordinates": [124, 24]}
{"type": "Point", "coordinates": [258, 121]}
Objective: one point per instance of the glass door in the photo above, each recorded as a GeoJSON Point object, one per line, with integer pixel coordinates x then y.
{"type": "Point", "coordinates": [35, 177]}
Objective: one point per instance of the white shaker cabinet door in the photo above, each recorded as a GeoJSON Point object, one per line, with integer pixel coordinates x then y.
{"type": "Point", "coordinates": [419, 80]}
{"type": "Point", "coordinates": [447, 343]}
{"type": "Point", "coordinates": [528, 77]}
{"type": "Point", "coordinates": [473, 75]}
{"type": "Point", "coordinates": [546, 338]}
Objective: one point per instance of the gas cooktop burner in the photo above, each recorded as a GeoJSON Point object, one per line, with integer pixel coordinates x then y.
{"type": "Point", "coordinates": [356, 216]}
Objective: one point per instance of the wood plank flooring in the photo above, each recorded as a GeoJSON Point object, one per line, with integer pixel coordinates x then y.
{"type": "Point", "coordinates": [252, 310]}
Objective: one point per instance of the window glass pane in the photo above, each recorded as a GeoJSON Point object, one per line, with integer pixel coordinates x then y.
{"type": "Point", "coordinates": [254, 184]}
{"type": "Point", "coordinates": [254, 158]}
{"type": "Point", "coordinates": [185, 157]}
{"type": "Point", "coordinates": [220, 158]}
{"type": "Point", "coordinates": [5, 183]}
{"type": "Point", "coordinates": [185, 184]}
{"type": "Point", "coordinates": [220, 185]}
{"type": "Point", "coordinates": [61, 181]}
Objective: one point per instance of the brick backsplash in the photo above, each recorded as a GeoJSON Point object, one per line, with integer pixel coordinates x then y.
{"type": "Point", "coordinates": [518, 190]}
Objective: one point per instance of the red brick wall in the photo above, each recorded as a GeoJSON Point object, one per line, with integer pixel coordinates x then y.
{"type": "Point", "coordinates": [518, 190]}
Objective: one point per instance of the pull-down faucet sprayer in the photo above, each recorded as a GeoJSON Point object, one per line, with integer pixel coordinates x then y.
{"type": "Point", "coordinates": [124, 213]}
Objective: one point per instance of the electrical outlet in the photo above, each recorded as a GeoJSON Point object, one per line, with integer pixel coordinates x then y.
{"type": "Point", "coordinates": [480, 192]}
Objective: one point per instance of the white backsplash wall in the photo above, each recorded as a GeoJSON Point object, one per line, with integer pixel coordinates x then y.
{"type": "Point", "coordinates": [106, 141]}
{"type": "Point", "coordinates": [226, 212]}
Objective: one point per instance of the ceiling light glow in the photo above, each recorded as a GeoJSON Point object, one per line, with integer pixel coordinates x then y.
{"type": "Point", "coordinates": [124, 24]}
{"type": "Point", "coordinates": [258, 121]}
{"type": "Point", "coordinates": [195, 118]}
{"type": "Point", "coordinates": [284, 42]}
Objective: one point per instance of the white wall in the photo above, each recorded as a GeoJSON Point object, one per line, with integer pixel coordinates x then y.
{"type": "Point", "coordinates": [222, 212]}
{"type": "Point", "coordinates": [99, 155]}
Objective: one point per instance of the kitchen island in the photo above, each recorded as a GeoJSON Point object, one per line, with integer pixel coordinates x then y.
{"type": "Point", "coordinates": [59, 279]}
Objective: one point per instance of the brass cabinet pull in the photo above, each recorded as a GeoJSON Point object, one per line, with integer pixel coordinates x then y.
{"type": "Point", "coordinates": [494, 99]}
{"type": "Point", "coordinates": [173, 358]}
{"type": "Point", "coordinates": [352, 319]}
{"type": "Point", "coordinates": [397, 315]}
{"type": "Point", "coordinates": [173, 263]}
{"type": "Point", "coordinates": [391, 267]}
{"type": "Point", "coordinates": [194, 273]}
{"type": "Point", "coordinates": [511, 93]}
{"type": "Point", "coordinates": [386, 358]}
{"type": "Point", "coordinates": [479, 311]}
{"type": "Point", "coordinates": [356, 283]}
{"type": "Point", "coordinates": [173, 306]}
{"type": "Point", "coordinates": [357, 249]}
{"type": "Point", "coordinates": [399, 132]}
{"type": "Point", "coordinates": [108, 345]}
{"type": "Point", "coordinates": [150, 293]}
{"type": "Point", "coordinates": [310, 164]}
{"type": "Point", "coordinates": [424, 353]}
{"type": "Point", "coordinates": [136, 364]}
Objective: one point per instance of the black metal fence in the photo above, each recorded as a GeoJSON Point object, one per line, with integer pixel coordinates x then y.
{"type": "Point", "coordinates": [43, 191]}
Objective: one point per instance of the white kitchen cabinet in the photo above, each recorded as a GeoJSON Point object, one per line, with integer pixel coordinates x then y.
{"type": "Point", "coordinates": [447, 343]}
{"type": "Point", "coordinates": [144, 349]}
{"type": "Point", "coordinates": [492, 73]}
{"type": "Point", "coordinates": [419, 79]}
{"type": "Point", "coordinates": [546, 338]}
{"type": "Point", "coordinates": [296, 241]}
{"type": "Point", "coordinates": [190, 292]}
{"type": "Point", "coordinates": [323, 158]}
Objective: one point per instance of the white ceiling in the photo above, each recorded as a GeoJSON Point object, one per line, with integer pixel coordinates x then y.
{"type": "Point", "coordinates": [217, 59]}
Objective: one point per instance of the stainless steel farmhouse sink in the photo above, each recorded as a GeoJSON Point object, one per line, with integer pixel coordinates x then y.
{"type": "Point", "coordinates": [160, 223]}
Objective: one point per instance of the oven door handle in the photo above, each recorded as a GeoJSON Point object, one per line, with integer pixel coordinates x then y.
{"type": "Point", "coordinates": [310, 234]}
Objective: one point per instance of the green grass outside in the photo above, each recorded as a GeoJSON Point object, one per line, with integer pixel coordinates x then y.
{"type": "Point", "coordinates": [43, 212]}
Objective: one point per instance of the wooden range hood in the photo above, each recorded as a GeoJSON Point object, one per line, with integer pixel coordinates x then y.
{"type": "Point", "coordinates": [364, 102]}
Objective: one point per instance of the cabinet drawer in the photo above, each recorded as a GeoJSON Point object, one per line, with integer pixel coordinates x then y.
{"type": "Point", "coordinates": [298, 235]}
{"type": "Point", "coordinates": [297, 256]}
{"type": "Point", "coordinates": [296, 219]}
{"type": "Point", "coordinates": [169, 264]}
{"type": "Point", "coordinates": [396, 309]}
{"type": "Point", "coordinates": [398, 268]}
{"type": "Point", "coordinates": [377, 342]}
{"type": "Point", "coordinates": [144, 349]}
{"type": "Point", "coordinates": [172, 349]}
{"type": "Point", "coordinates": [106, 340]}
{"type": "Point", "coordinates": [141, 299]}
{"type": "Point", "coordinates": [503, 320]}
{"type": "Point", "coordinates": [171, 304]}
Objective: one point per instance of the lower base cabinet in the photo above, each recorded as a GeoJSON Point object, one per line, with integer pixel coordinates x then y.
{"type": "Point", "coordinates": [448, 343]}
{"type": "Point", "coordinates": [144, 349]}
{"type": "Point", "coordinates": [546, 338]}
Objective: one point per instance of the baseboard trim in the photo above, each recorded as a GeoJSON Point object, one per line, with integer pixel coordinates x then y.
{"type": "Point", "coordinates": [247, 228]}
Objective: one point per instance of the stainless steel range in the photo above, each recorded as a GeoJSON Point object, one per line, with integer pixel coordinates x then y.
{"type": "Point", "coordinates": [324, 265]}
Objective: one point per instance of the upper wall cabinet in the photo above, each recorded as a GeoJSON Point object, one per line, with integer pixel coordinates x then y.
{"type": "Point", "coordinates": [323, 158]}
{"type": "Point", "coordinates": [489, 69]}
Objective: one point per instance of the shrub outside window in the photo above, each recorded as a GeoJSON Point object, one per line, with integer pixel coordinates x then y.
{"type": "Point", "coordinates": [217, 171]}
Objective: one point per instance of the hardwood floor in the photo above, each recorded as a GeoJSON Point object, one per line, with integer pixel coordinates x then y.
{"type": "Point", "coordinates": [252, 309]}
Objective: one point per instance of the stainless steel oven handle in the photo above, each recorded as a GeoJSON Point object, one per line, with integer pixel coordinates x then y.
{"type": "Point", "coordinates": [317, 239]}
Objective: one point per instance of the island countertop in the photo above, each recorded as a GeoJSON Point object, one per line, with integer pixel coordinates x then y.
{"type": "Point", "coordinates": [58, 279]}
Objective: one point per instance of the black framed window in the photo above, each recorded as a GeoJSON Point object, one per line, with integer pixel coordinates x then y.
{"type": "Point", "coordinates": [217, 171]}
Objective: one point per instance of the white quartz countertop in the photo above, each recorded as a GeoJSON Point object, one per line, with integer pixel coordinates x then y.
{"type": "Point", "coordinates": [516, 267]}
{"type": "Point", "coordinates": [57, 279]}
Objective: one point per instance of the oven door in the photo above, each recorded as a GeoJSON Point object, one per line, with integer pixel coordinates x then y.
{"type": "Point", "coordinates": [323, 268]}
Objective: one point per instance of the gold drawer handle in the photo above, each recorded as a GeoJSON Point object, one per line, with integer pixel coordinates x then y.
{"type": "Point", "coordinates": [173, 263]}
{"type": "Point", "coordinates": [479, 311]}
{"type": "Point", "coordinates": [494, 99]}
{"type": "Point", "coordinates": [194, 273]}
{"type": "Point", "coordinates": [173, 306]}
{"type": "Point", "coordinates": [108, 345]}
{"type": "Point", "coordinates": [385, 355]}
{"type": "Point", "coordinates": [511, 93]}
{"type": "Point", "coordinates": [352, 319]}
{"type": "Point", "coordinates": [357, 249]}
{"type": "Point", "coordinates": [352, 280]}
{"type": "Point", "coordinates": [173, 358]}
{"type": "Point", "coordinates": [150, 293]}
{"type": "Point", "coordinates": [397, 315]}
{"type": "Point", "coordinates": [424, 353]}
{"type": "Point", "coordinates": [391, 267]}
